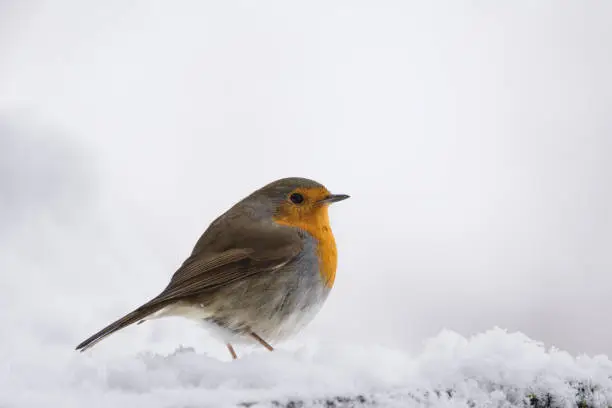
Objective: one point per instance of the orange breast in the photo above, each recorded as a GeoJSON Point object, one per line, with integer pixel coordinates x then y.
{"type": "Point", "coordinates": [317, 225]}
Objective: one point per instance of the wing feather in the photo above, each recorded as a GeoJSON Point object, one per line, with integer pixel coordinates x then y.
{"type": "Point", "coordinates": [212, 265]}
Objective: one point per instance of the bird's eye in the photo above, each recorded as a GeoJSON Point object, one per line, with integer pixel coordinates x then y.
{"type": "Point", "coordinates": [296, 198]}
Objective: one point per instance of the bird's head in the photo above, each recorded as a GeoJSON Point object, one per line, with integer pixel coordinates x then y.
{"type": "Point", "coordinates": [300, 202]}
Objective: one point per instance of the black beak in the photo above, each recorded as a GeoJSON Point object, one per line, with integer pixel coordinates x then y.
{"type": "Point", "coordinates": [333, 198]}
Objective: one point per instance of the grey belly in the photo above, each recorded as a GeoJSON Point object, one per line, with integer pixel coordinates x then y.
{"type": "Point", "coordinates": [274, 305]}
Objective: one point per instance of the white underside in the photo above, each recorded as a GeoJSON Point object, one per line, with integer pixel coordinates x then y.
{"type": "Point", "coordinates": [189, 312]}
{"type": "Point", "coordinates": [201, 314]}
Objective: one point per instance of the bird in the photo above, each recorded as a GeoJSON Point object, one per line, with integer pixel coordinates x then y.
{"type": "Point", "coordinates": [258, 274]}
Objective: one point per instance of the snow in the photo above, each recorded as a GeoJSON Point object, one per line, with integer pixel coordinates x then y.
{"type": "Point", "coordinates": [494, 368]}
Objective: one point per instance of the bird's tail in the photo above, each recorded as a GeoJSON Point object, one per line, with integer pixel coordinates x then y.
{"type": "Point", "coordinates": [133, 317]}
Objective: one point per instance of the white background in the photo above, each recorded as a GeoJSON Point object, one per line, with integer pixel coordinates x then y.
{"type": "Point", "coordinates": [474, 138]}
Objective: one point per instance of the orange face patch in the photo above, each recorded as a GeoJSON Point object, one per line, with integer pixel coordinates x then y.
{"type": "Point", "coordinates": [313, 218]}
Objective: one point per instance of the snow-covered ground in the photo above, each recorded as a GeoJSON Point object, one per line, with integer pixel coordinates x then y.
{"type": "Point", "coordinates": [494, 368]}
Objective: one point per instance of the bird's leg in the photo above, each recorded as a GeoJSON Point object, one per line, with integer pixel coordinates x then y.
{"type": "Point", "coordinates": [232, 351]}
{"type": "Point", "coordinates": [262, 341]}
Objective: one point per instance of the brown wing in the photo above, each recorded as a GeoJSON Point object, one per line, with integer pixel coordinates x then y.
{"type": "Point", "coordinates": [204, 271]}
{"type": "Point", "coordinates": [234, 247]}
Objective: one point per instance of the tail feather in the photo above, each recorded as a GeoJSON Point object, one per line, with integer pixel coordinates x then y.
{"type": "Point", "coordinates": [133, 317]}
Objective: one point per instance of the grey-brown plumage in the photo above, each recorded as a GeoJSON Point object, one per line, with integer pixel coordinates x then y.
{"type": "Point", "coordinates": [256, 272]}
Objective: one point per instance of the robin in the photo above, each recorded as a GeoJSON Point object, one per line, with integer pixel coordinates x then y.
{"type": "Point", "coordinates": [258, 274]}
